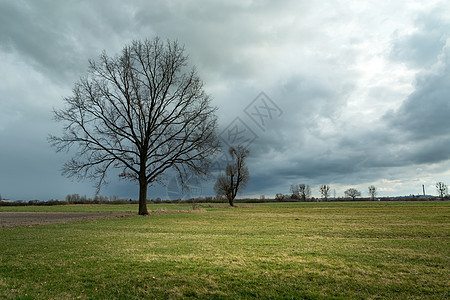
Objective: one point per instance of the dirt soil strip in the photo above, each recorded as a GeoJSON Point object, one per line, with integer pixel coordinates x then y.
{"type": "Point", "coordinates": [10, 219]}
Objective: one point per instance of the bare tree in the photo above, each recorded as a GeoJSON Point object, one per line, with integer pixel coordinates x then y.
{"type": "Point", "coordinates": [373, 192]}
{"type": "Point", "coordinates": [236, 175]}
{"type": "Point", "coordinates": [352, 193]}
{"type": "Point", "coordinates": [142, 112]}
{"type": "Point", "coordinates": [325, 191]}
{"type": "Point", "coordinates": [442, 189]}
{"type": "Point", "coordinates": [304, 191]}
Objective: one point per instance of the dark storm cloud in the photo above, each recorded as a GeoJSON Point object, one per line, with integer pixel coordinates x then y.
{"type": "Point", "coordinates": [423, 119]}
{"type": "Point", "coordinates": [425, 113]}
{"type": "Point", "coordinates": [38, 37]}
{"type": "Point", "coordinates": [224, 38]}
{"type": "Point", "coordinates": [416, 133]}
{"type": "Point", "coordinates": [334, 69]}
{"type": "Point", "coordinates": [57, 38]}
{"type": "Point", "coordinates": [29, 165]}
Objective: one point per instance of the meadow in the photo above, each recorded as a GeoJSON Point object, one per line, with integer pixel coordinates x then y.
{"type": "Point", "coordinates": [356, 250]}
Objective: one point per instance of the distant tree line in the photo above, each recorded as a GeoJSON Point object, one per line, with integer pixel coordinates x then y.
{"type": "Point", "coordinates": [302, 192]}
{"type": "Point", "coordinates": [298, 193]}
{"type": "Point", "coordinates": [71, 199]}
{"type": "Point", "coordinates": [77, 199]}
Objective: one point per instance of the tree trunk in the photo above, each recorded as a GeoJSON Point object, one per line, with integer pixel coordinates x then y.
{"type": "Point", "coordinates": [231, 201]}
{"type": "Point", "coordinates": [143, 197]}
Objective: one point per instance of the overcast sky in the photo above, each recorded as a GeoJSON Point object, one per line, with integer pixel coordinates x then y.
{"type": "Point", "coordinates": [358, 91]}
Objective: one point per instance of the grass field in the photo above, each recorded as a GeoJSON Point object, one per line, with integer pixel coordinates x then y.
{"type": "Point", "coordinates": [277, 250]}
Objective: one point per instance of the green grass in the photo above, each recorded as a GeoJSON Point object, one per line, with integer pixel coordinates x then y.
{"type": "Point", "coordinates": [279, 250]}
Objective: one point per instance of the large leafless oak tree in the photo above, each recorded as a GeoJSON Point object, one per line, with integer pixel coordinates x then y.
{"type": "Point", "coordinates": [142, 112]}
{"type": "Point", "coordinates": [236, 175]}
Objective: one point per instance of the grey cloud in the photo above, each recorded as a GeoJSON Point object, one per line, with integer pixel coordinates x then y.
{"type": "Point", "coordinates": [426, 112]}
{"type": "Point", "coordinates": [28, 165]}
{"type": "Point", "coordinates": [230, 40]}
{"type": "Point", "coordinates": [432, 152]}
{"type": "Point", "coordinates": [35, 37]}
{"type": "Point", "coordinates": [419, 49]}
{"type": "Point", "coordinates": [422, 47]}
{"type": "Point", "coordinates": [422, 123]}
{"type": "Point", "coordinates": [58, 38]}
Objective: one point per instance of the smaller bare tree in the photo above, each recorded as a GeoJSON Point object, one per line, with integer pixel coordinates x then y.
{"type": "Point", "coordinates": [304, 191]}
{"type": "Point", "coordinates": [325, 191]}
{"type": "Point", "coordinates": [352, 193]}
{"type": "Point", "coordinates": [373, 192]}
{"type": "Point", "coordinates": [236, 175]}
{"type": "Point", "coordinates": [442, 189]}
